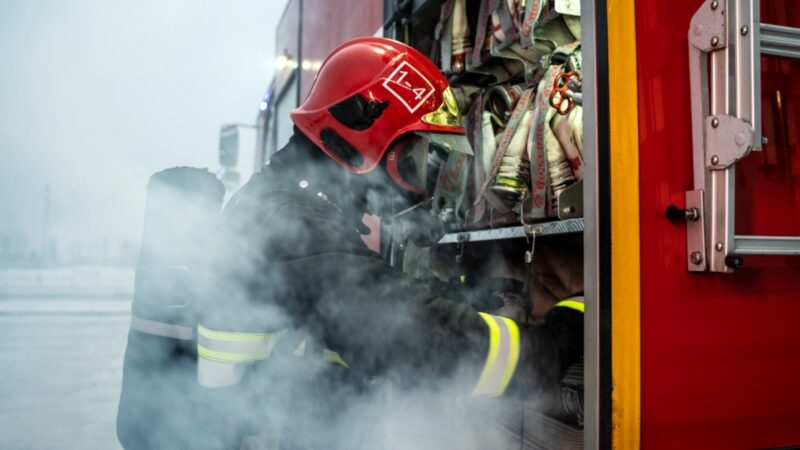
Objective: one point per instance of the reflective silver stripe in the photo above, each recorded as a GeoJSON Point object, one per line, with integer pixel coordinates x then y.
{"type": "Point", "coordinates": [217, 374]}
{"type": "Point", "coordinates": [501, 361]}
{"type": "Point", "coordinates": [162, 329]}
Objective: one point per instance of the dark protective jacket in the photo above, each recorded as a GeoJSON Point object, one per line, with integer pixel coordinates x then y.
{"type": "Point", "coordinates": [300, 318]}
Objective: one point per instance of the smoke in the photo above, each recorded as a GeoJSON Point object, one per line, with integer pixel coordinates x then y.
{"type": "Point", "coordinates": [97, 96]}
{"type": "Point", "coordinates": [286, 258]}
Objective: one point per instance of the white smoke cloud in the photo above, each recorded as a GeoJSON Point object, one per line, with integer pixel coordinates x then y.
{"type": "Point", "coordinates": [99, 95]}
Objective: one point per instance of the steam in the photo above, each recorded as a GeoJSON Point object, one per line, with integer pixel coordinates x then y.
{"type": "Point", "coordinates": [294, 262]}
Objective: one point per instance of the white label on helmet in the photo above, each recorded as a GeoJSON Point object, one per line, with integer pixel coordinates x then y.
{"type": "Point", "coordinates": [409, 86]}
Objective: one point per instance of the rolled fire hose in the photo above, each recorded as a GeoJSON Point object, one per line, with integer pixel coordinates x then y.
{"type": "Point", "coordinates": [514, 173]}
{"type": "Point", "coordinates": [488, 140]}
{"type": "Point", "coordinates": [461, 39]}
{"type": "Point", "coordinates": [576, 125]}
{"type": "Point", "coordinates": [566, 140]}
{"type": "Point", "coordinates": [558, 165]}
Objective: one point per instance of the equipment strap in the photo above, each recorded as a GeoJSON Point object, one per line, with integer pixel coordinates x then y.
{"type": "Point", "coordinates": [162, 329]}
{"type": "Point", "coordinates": [487, 6]}
{"type": "Point", "coordinates": [443, 36]}
{"type": "Point", "coordinates": [479, 134]}
{"type": "Point", "coordinates": [501, 361]}
{"type": "Point", "coordinates": [514, 123]}
{"type": "Point", "coordinates": [537, 153]}
{"type": "Point", "coordinates": [533, 9]}
{"type": "Point", "coordinates": [537, 13]}
{"type": "Point", "coordinates": [451, 185]}
{"type": "Point", "coordinates": [505, 31]}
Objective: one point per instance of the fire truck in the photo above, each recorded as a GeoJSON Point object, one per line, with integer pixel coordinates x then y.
{"type": "Point", "coordinates": [683, 196]}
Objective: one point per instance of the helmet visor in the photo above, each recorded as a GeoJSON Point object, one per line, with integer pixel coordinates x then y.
{"type": "Point", "coordinates": [448, 114]}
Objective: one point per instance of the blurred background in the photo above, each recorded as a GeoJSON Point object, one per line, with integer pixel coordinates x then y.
{"type": "Point", "coordinates": [96, 96]}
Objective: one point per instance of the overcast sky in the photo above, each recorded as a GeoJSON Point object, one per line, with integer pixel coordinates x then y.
{"type": "Point", "coordinates": [96, 95]}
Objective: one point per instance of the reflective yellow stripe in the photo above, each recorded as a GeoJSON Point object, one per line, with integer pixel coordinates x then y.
{"type": "Point", "coordinates": [503, 356]}
{"type": "Point", "coordinates": [513, 358]}
{"type": "Point", "coordinates": [215, 355]}
{"type": "Point", "coordinates": [623, 123]}
{"type": "Point", "coordinates": [334, 357]}
{"type": "Point", "coordinates": [572, 304]}
{"type": "Point", "coordinates": [233, 336]}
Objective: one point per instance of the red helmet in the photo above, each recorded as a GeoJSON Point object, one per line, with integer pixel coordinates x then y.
{"type": "Point", "coordinates": [370, 91]}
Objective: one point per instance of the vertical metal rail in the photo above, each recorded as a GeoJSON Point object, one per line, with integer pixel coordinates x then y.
{"type": "Point", "coordinates": [597, 347]}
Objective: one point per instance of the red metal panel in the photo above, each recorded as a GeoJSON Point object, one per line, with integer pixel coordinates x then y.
{"type": "Point", "coordinates": [326, 24]}
{"type": "Point", "coordinates": [720, 353]}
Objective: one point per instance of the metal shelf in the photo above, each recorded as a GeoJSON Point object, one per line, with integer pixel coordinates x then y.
{"type": "Point", "coordinates": [539, 229]}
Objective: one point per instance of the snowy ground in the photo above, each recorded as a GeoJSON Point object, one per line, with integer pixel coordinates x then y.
{"type": "Point", "coordinates": [60, 372]}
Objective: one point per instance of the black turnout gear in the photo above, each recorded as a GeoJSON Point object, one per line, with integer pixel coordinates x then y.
{"type": "Point", "coordinates": [296, 278]}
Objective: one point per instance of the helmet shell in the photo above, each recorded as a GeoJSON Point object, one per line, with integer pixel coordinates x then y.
{"type": "Point", "coordinates": [405, 83]}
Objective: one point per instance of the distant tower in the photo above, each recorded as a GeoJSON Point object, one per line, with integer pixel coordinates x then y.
{"type": "Point", "coordinates": [46, 224]}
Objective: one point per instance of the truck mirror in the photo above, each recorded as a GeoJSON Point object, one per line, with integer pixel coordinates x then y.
{"type": "Point", "coordinates": [229, 146]}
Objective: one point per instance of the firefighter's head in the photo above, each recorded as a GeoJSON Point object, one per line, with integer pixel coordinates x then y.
{"type": "Point", "coordinates": [380, 104]}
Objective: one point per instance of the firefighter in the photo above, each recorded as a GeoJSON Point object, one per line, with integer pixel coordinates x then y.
{"type": "Point", "coordinates": [298, 312]}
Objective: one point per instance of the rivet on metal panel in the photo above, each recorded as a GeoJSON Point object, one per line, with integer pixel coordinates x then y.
{"type": "Point", "coordinates": [744, 30]}
{"type": "Point", "coordinates": [715, 122]}
{"type": "Point", "coordinates": [697, 258]}
{"type": "Point", "coordinates": [718, 247]}
{"type": "Point", "coordinates": [764, 140]}
{"type": "Point", "coordinates": [714, 5]}
{"type": "Point", "coordinates": [715, 160]}
{"type": "Point", "coordinates": [714, 41]}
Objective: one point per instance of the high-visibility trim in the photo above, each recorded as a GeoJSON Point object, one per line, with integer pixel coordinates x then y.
{"type": "Point", "coordinates": [577, 305]}
{"type": "Point", "coordinates": [232, 336]}
{"type": "Point", "coordinates": [239, 347]}
{"type": "Point", "coordinates": [334, 357]}
{"type": "Point", "coordinates": [502, 358]}
{"type": "Point", "coordinates": [162, 329]}
{"type": "Point", "coordinates": [235, 347]}
{"type": "Point", "coordinates": [229, 357]}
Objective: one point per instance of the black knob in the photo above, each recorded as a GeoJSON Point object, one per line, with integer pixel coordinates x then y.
{"type": "Point", "coordinates": [675, 214]}
{"type": "Point", "coordinates": [734, 261]}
